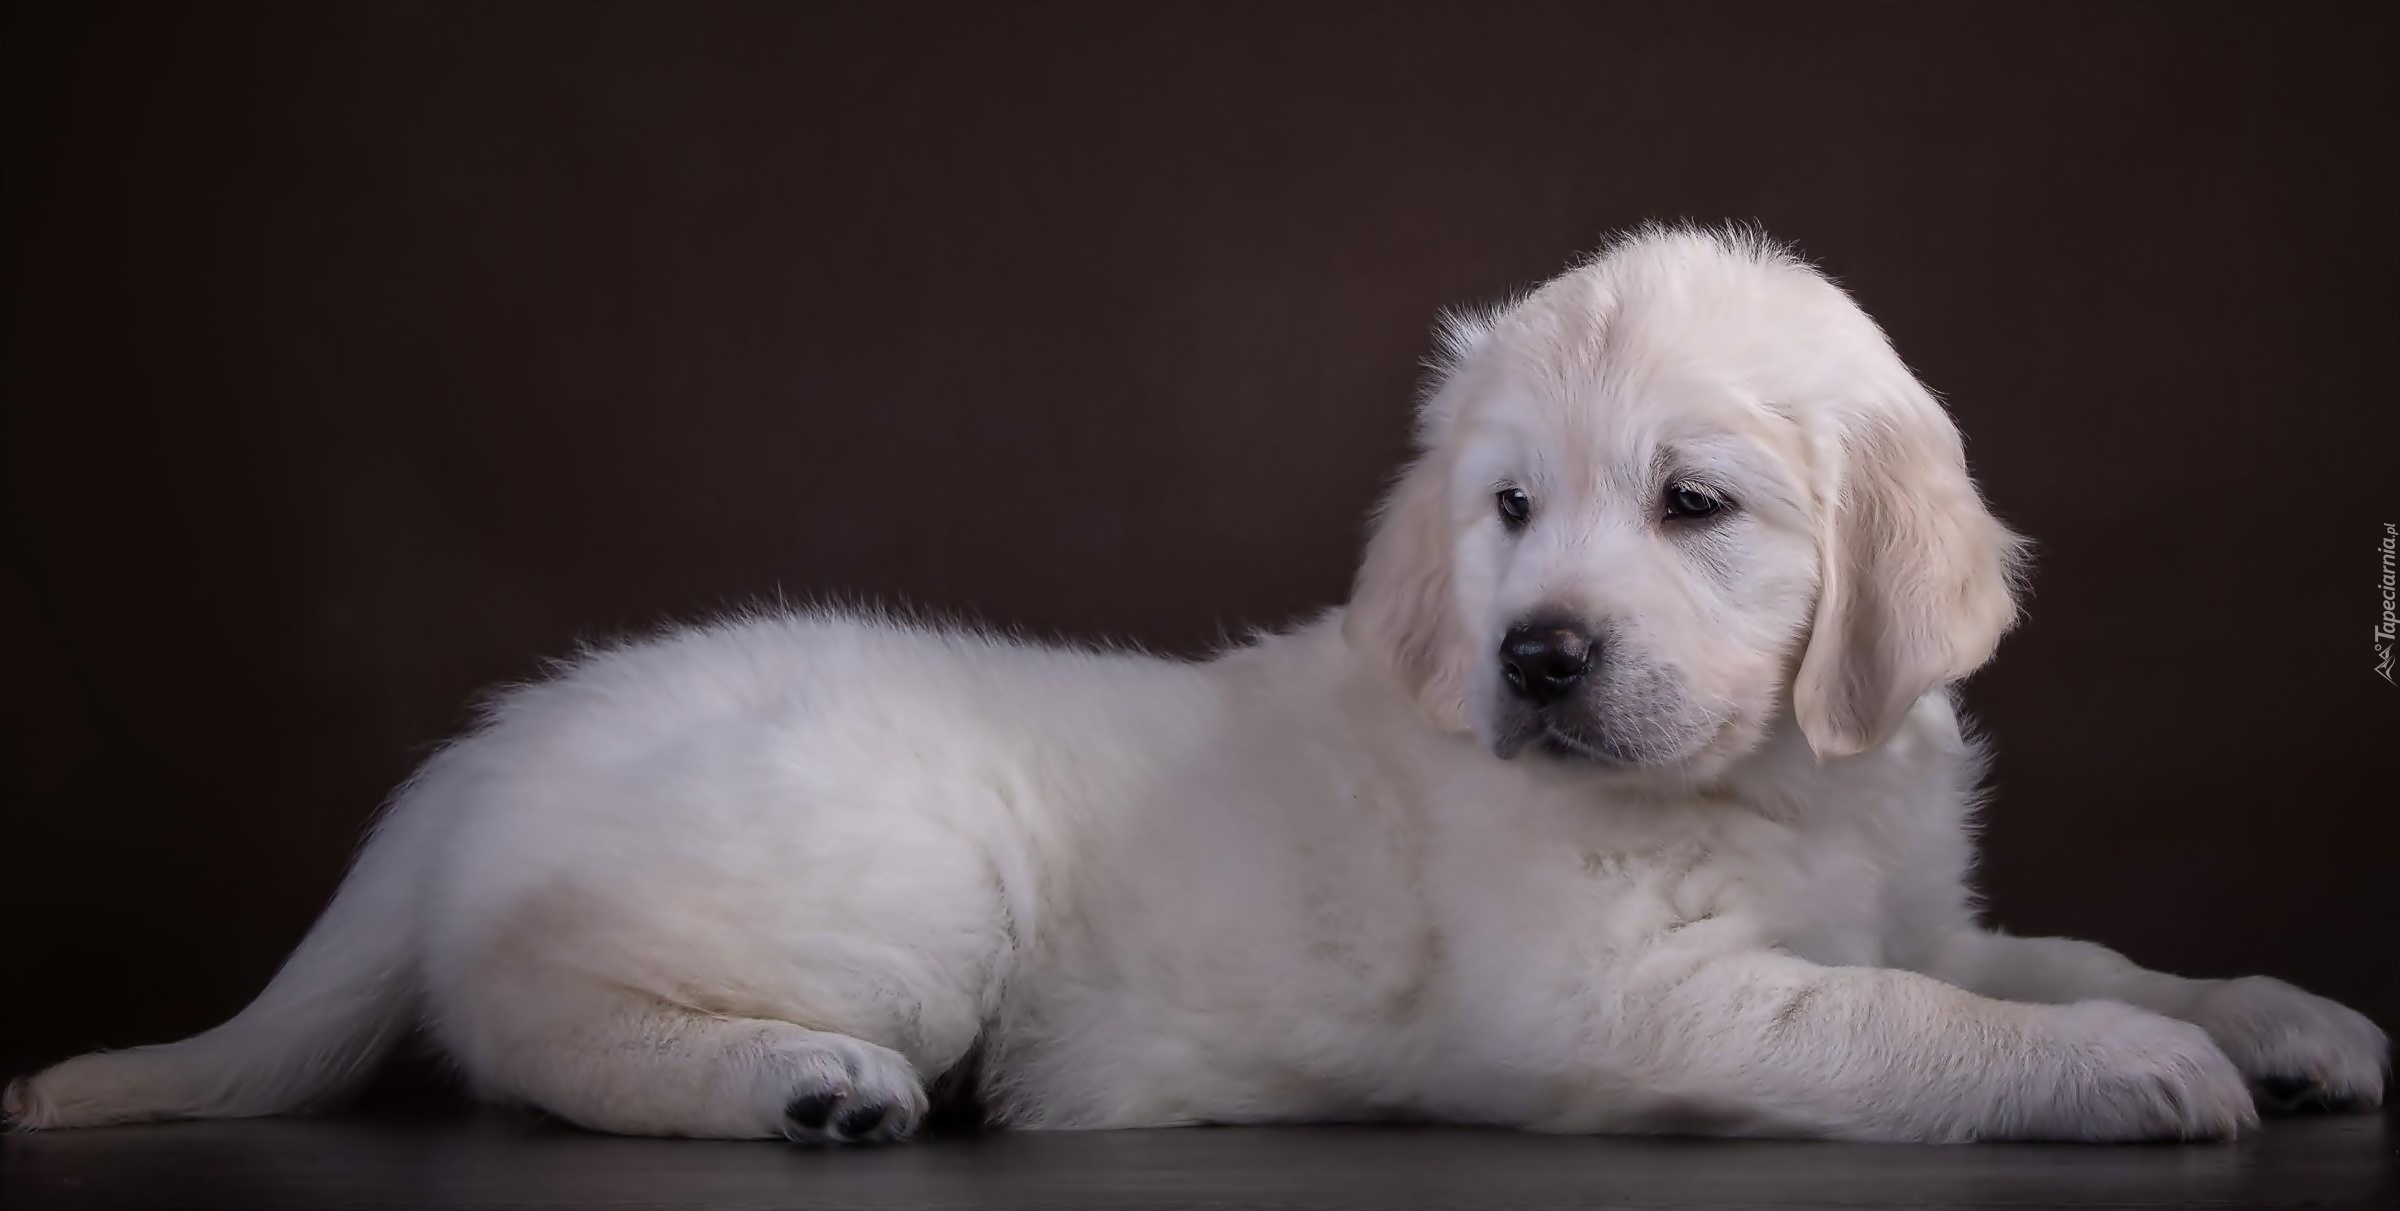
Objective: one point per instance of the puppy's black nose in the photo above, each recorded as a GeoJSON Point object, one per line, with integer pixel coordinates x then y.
{"type": "Point", "coordinates": [1542, 661]}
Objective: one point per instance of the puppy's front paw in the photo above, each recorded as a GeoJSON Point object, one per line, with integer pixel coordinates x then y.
{"type": "Point", "coordinates": [2132, 1075]}
{"type": "Point", "coordinates": [2299, 1052]}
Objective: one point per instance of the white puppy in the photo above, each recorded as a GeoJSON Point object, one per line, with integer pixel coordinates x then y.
{"type": "Point", "coordinates": [1626, 795]}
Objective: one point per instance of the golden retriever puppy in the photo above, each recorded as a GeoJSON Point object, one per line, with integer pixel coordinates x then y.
{"type": "Point", "coordinates": [1626, 795]}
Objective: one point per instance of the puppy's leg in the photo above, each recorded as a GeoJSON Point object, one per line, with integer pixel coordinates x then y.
{"type": "Point", "coordinates": [1771, 1044]}
{"type": "Point", "coordinates": [2298, 1051]}
{"type": "Point", "coordinates": [617, 1061]}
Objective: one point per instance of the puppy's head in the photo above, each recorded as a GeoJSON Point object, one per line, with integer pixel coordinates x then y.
{"type": "Point", "coordinates": [1663, 496]}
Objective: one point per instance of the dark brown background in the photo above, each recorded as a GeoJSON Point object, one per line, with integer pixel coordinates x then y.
{"type": "Point", "coordinates": [363, 356]}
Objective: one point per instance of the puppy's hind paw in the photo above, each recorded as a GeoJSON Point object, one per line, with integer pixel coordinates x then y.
{"type": "Point", "coordinates": [845, 1118]}
{"type": "Point", "coordinates": [877, 1100]}
{"type": "Point", "coordinates": [16, 1105]}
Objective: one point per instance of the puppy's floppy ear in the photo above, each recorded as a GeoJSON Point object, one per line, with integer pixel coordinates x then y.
{"type": "Point", "coordinates": [1402, 607]}
{"type": "Point", "coordinates": [1917, 577]}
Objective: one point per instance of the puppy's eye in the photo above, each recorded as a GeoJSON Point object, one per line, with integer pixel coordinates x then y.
{"type": "Point", "coordinates": [1687, 503]}
{"type": "Point", "coordinates": [1516, 508]}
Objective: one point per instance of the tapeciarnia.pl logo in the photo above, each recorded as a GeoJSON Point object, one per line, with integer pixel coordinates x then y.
{"type": "Point", "coordinates": [2389, 627]}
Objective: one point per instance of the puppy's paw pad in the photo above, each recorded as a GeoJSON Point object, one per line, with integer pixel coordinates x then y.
{"type": "Point", "coordinates": [811, 1111]}
{"type": "Point", "coordinates": [863, 1120]}
{"type": "Point", "coordinates": [845, 1117]}
{"type": "Point", "coordinates": [2294, 1094]}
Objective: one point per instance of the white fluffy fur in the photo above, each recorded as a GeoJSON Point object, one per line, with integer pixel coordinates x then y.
{"type": "Point", "coordinates": [819, 858]}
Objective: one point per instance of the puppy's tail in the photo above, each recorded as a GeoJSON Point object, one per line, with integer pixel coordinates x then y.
{"type": "Point", "coordinates": [342, 1000]}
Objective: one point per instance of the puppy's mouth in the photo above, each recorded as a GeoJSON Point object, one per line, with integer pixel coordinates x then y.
{"type": "Point", "coordinates": [1561, 743]}
{"type": "Point", "coordinates": [1558, 740]}
{"type": "Point", "coordinates": [1577, 737]}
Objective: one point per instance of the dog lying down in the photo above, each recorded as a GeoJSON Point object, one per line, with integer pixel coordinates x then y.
{"type": "Point", "coordinates": [1626, 795]}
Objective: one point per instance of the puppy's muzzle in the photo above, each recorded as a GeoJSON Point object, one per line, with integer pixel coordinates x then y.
{"type": "Point", "coordinates": [1544, 660]}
